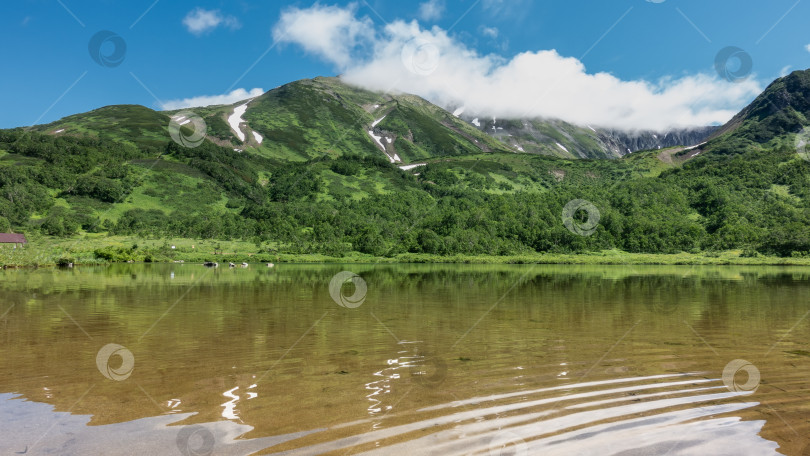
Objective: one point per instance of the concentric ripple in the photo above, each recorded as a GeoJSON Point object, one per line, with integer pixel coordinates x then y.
{"type": "Point", "coordinates": [674, 414]}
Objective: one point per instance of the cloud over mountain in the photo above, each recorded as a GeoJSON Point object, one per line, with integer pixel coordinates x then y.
{"type": "Point", "coordinates": [404, 56]}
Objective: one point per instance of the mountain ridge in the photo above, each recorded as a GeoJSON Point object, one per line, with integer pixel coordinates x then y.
{"type": "Point", "coordinates": [345, 117]}
{"type": "Point", "coordinates": [782, 108]}
{"type": "Point", "coordinates": [330, 188]}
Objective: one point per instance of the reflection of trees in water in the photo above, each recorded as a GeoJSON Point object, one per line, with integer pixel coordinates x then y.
{"type": "Point", "coordinates": [232, 324]}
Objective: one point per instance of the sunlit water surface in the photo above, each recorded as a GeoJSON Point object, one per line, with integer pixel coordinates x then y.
{"type": "Point", "coordinates": [437, 359]}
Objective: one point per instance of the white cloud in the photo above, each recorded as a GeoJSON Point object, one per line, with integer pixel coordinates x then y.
{"type": "Point", "coordinates": [329, 32]}
{"type": "Point", "coordinates": [431, 10]}
{"type": "Point", "coordinates": [491, 32]}
{"type": "Point", "coordinates": [807, 47]}
{"type": "Point", "coordinates": [785, 71]}
{"type": "Point", "coordinates": [441, 69]}
{"type": "Point", "coordinates": [199, 21]}
{"type": "Point", "coordinates": [208, 100]}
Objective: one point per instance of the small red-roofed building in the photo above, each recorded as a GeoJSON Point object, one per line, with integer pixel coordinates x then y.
{"type": "Point", "coordinates": [11, 238]}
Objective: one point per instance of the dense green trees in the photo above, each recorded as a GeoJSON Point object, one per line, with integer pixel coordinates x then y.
{"type": "Point", "coordinates": [749, 198]}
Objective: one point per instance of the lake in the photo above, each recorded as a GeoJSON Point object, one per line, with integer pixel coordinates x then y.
{"type": "Point", "coordinates": [405, 359]}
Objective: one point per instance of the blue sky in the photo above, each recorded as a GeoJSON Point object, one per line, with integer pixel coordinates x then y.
{"type": "Point", "coordinates": [185, 49]}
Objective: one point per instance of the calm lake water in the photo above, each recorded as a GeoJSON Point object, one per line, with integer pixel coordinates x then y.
{"type": "Point", "coordinates": [418, 359]}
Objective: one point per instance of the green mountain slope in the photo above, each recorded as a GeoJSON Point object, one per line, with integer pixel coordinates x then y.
{"type": "Point", "coordinates": [324, 117]}
{"type": "Point", "coordinates": [300, 121]}
{"type": "Point", "coordinates": [783, 108]}
{"type": "Point", "coordinates": [328, 186]}
{"type": "Point", "coordinates": [133, 124]}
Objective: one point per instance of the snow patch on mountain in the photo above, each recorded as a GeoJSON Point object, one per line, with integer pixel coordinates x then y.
{"type": "Point", "coordinates": [377, 139]}
{"type": "Point", "coordinates": [235, 120]}
{"type": "Point", "coordinates": [410, 167]}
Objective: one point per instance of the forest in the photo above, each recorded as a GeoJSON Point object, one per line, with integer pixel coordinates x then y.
{"type": "Point", "coordinates": [738, 194]}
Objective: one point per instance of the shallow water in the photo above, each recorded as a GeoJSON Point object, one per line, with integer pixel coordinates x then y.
{"type": "Point", "coordinates": [435, 359]}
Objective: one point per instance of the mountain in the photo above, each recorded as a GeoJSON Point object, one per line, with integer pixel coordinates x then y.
{"type": "Point", "coordinates": [561, 139]}
{"type": "Point", "coordinates": [783, 108]}
{"type": "Point", "coordinates": [325, 117]}
{"type": "Point", "coordinates": [300, 121]}
{"type": "Point", "coordinates": [316, 166]}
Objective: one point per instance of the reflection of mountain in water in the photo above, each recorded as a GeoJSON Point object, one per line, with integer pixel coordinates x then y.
{"type": "Point", "coordinates": [270, 351]}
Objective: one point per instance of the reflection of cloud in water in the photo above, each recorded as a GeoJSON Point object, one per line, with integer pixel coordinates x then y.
{"type": "Point", "coordinates": [553, 425]}
{"type": "Point", "coordinates": [25, 422]}
{"type": "Point", "coordinates": [679, 414]}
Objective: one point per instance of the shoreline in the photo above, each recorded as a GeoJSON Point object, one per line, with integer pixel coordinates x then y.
{"type": "Point", "coordinates": [595, 258]}
{"type": "Point", "coordinates": [43, 251]}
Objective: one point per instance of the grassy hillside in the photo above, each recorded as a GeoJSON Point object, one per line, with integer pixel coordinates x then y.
{"type": "Point", "coordinates": [323, 117]}
{"type": "Point", "coordinates": [131, 124]}
{"type": "Point", "coordinates": [485, 204]}
{"type": "Point", "coordinates": [782, 109]}
{"type": "Point", "coordinates": [319, 184]}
